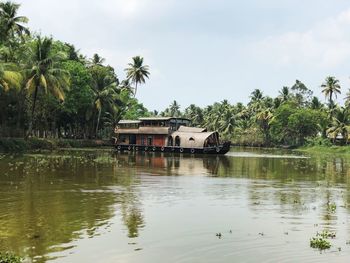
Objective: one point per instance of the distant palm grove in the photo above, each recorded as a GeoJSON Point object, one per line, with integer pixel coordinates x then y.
{"type": "Point", "coordinates": [49, 90]}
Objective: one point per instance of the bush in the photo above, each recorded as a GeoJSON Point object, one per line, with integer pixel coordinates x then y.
{"type": "Point", "coordinates": [20, 144]}
{"type": "Point", "coordinates": [63, 143]}
{"type": "Point", "coordinates": [10, 144]}
{"type": "Point", "coordinates": [318, 141]}
{"type": "Point", "coordinates": [41, 144]}
{"type": "Point", "coordinates": [9, 258]}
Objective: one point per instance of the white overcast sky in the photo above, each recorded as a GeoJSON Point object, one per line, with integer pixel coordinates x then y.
{"type": "Point", "coordinates": [202, 51]}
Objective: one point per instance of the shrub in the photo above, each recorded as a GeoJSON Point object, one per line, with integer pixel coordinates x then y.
{"type": "Point", "coordinates": [11, 144]}
{"type": "Point", "coordinates": [42, 144]}
{"type": "Point", "coordinates": [9, 258]}
{"type": "Point", "coordinates": [318, 141]}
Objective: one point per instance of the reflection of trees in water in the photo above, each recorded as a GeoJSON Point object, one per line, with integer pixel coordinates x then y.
{"type": "Point", "coordinates": [173, 164]}
{"type": "Point", "coordinates": [296, 186]}
{"type": "Point", "coordinates": [132, 218]}
{"type": "Point", "coordinates": [49, 201]}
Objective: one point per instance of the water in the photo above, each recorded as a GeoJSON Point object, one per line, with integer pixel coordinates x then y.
{"type": "Point", "coordinates": [95, 206]}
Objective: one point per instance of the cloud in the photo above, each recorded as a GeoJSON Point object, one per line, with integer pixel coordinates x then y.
{"type": "Point", "coordinates": [324, 45]}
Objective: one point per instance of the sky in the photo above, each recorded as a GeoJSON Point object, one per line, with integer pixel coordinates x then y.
{"type": "Point", "coordinates": [205, 51]}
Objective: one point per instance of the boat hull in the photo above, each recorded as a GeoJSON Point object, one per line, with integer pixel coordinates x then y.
{"type": "Point", "coordinates": [221, 149]}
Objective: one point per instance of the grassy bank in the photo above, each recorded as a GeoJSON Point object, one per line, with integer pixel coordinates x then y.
{"type": "Point", "coordinates": [32, 144]}
{"type": "Point", "coordinates": [325, 149]}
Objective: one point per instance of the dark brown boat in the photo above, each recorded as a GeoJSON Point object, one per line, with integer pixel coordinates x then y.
{"type": "Point", "coordinates": [167, 134]}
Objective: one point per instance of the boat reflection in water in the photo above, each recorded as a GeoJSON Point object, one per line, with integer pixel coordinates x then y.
{"type": "Point", "coordinates": [172, 164]}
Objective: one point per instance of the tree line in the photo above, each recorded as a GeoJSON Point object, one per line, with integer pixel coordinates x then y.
{"type": "Point", "coordinates": [49, 89]}
{"type": "Point", "coordinates": [294, 118]}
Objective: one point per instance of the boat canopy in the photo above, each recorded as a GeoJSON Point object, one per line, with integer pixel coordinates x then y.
{"type": "Point", "coordinates": [195, 139]}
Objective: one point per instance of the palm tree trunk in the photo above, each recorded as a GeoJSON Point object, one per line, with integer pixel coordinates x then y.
{"type": "Point", "coordinates": [98, 121]}
{"type": "Point", "coordinates": [31, 119]}
{"type": "Point", "coordinates": [135, 89]}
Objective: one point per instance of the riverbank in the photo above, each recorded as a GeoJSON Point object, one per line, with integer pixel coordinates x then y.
{"type": "Point", "coordinates": [325, 149]}
{"type": "Point", "coordinates": [33, 144]}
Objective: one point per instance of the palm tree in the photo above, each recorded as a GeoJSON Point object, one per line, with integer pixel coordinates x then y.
{"type": "Point", "coordinates": [174, 109]}
{"type": "Point", "coordinates": [263, 119]}
{"type": "Point", "coordinates": [284, 94]}
{"type": "Point", "coordinates": [256, 101]}
{"type": "Point", "coordinates": [340, 124]}
{"type": "Point", "coordinates": [105, 88]}
{"type": "Point", "coordinates": [195, 114]}
{"type": "Point", "coordinates": [44, 74]}
{"type": "Point", "coordinates": [227, 121]}
{"type": "Point", "coordinates": [97, 60]}
{"type": "Point", "coordinates": [256, 95]}
{"type": "Point", "coordinates": [11, 24]}
{"type": "Point", "coordinates": [137, 72]}
{"type": "Point", "coordinates": [117, 106]}
{"type": "Point", "coordinates": [347, 99]}
{"type": "Point", "coordinates": [331, 87]}
{"type": "Point", "coordinates": [9, 77]}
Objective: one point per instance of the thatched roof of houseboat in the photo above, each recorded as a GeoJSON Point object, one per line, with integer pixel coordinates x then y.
{"type": "Point", "coordinates": [192, 139]}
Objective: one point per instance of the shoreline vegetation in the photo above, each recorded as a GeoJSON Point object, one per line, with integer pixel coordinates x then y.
{"type": "Point", "coordinates": [325, 150]}
{"type": "Point", "coordinates": [21, 145]}
{"type": "Point", "coordinates": [51, 93]}
{"type": "Point", "coordinates": [11, 145]}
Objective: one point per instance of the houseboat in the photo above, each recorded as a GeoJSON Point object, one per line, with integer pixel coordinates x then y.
{"type": "Point", "coordinates": [167, 134]}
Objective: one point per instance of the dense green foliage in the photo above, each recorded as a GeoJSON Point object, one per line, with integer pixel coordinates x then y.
{"type": "Point", "coordinates": [9, 258]}
{"type": "Point", "coordinates": [48, 89]}
{"type": "Point", "coordinates": [33, 144]}
{"type": "Point", "coordinates": [294, 118]}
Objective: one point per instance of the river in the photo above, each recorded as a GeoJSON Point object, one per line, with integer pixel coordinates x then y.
{"type": "Point", "coordinates": [247, 206]}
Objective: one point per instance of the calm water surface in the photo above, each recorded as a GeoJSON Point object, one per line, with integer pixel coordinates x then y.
{"type": "Point", "coordinates": [96, 206]}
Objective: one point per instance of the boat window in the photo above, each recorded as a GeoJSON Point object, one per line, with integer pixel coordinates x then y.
{"type": "Point", "coordinates": [150, 140]}
{"type": "Point", "coordinates": [177, 141]}
{"type": "Point", "coordinates": [191, 139]}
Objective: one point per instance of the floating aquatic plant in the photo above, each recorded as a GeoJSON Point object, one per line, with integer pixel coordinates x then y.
{"type": "Point", "coordinates": [320, 243]}
{"type": "Point", "coordinates": [326, 234]}
{"type": "Point", "coordinates": [9, 258]}
{"type": "Point", "coordinates": [332, 207]}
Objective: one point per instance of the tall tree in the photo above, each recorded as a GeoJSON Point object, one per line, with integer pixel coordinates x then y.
{"type": "Point", "coordinates": [137, 72]}
{"type": "Point", "coordinates": [316, 104]}
{"type": "Point", "coordinates": [284, 94]}
{"type": "Point", "coordinates": [44, 74]}
{"type": "Point", "coordinates": [105, 88]}
{"type": "Point", "coordinates": [174, 109]}
{"type": "Point", "coordinates": [263, 119]}
{"type": "Point", "coordinates": [256, 95]}
{"type": "Point", "coordinates": [11, 25]}
{"type": "Point", "coordinates": [97, 60]}
{"type": "Point", "coordinates": [340, 124]}
{"type": "Point", "coordinates": [331, 87]}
